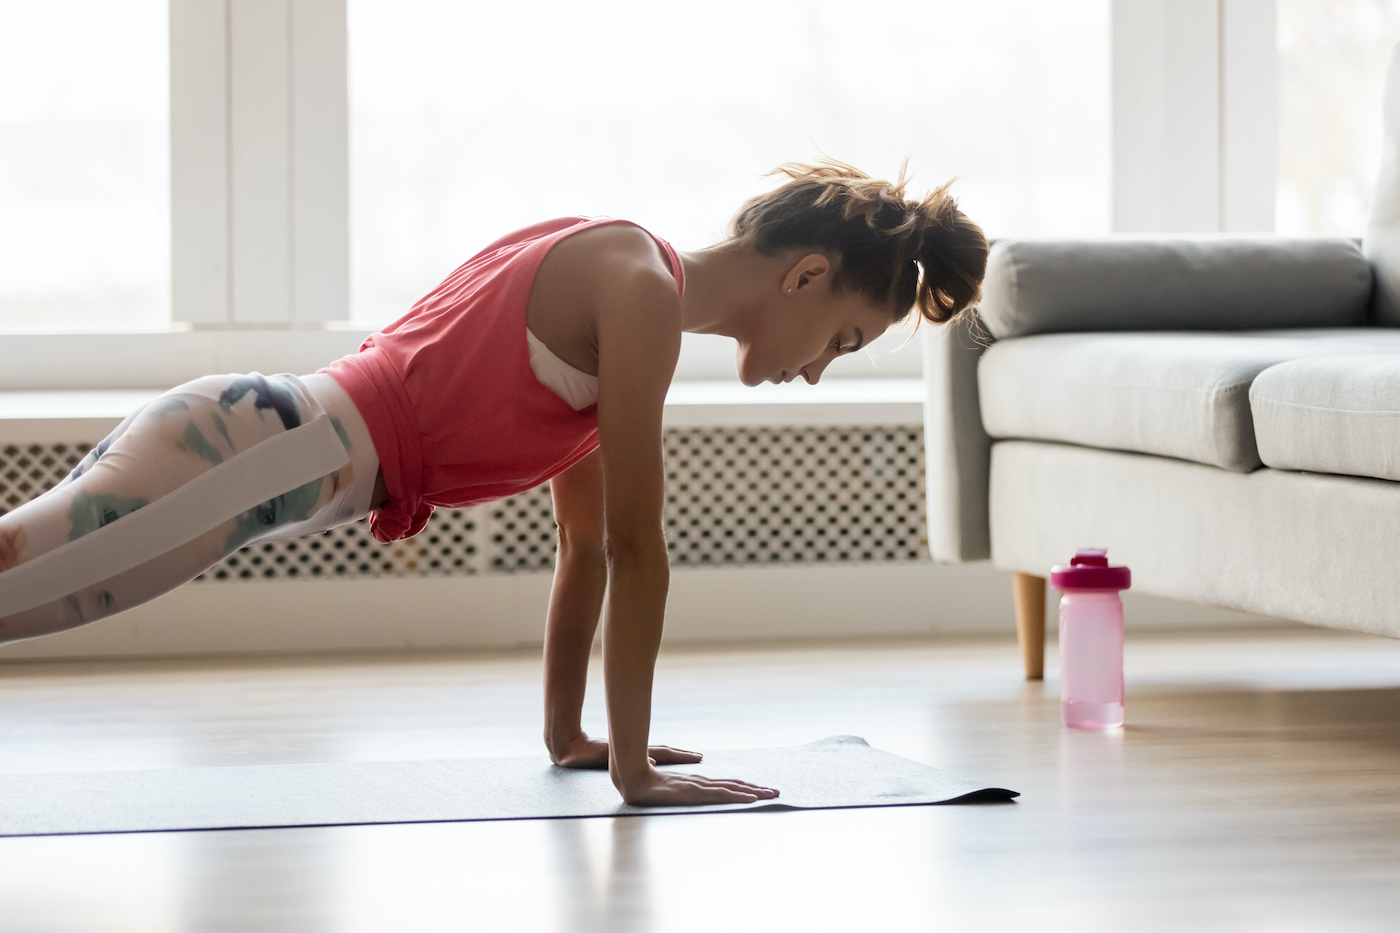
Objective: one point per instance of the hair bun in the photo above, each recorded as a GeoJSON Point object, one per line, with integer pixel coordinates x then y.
{"type": "Point", "coordinates": [925, 254]}
{"type": "Point", "coordinates": [952, 253]}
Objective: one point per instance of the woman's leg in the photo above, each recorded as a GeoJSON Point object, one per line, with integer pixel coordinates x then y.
{"type": "Point", "coordinates": [156, 451]}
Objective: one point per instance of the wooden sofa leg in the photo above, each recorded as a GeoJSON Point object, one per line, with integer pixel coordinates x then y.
{"type": "Point", "coordinates": [1028, 592]}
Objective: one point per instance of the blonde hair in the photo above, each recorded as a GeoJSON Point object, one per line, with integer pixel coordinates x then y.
{"type": "Point", "coordinates": [923, 254]}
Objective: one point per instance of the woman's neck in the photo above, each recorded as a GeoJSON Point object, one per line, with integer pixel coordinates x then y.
{"type": "Point", "coordinates": [720, 284]}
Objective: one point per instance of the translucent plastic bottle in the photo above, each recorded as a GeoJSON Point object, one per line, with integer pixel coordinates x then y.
{"type": "Point", "coordinates": [1091, 639]}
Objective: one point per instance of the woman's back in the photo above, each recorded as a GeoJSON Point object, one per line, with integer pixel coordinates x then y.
{"type": "Point", "coordinates": [455, 410]}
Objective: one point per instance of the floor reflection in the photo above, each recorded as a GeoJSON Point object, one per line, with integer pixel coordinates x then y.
{"type": "Point", "coordinates": [253, 880]}
{"type": "Point", "coordinates": [602, 890]}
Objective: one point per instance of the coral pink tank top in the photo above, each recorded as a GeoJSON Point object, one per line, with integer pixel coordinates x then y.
{"type": "Point", "coordinates": [453, 407]}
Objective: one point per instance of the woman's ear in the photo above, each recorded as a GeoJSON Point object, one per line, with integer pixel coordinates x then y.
{"type": "Point", "coordinates": [808, 270]}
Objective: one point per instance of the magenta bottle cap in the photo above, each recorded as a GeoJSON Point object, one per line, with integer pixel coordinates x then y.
{"type": "Point", "coordinates": [1089, 570]}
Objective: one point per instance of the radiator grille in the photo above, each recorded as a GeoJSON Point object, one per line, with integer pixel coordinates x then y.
{"type": "Point", "coordinates": [29, 470]}
{"type": "Point", "coordinates": [786, 495]}
{"type": "Point", "coordinates": [770, 495]}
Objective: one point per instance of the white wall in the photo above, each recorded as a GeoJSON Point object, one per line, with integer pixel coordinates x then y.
{"type": "Point", "coordinates": [504, 610]}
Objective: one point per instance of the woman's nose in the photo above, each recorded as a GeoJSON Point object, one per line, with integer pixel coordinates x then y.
{"type": "Point", "coordinates": [812, 372]}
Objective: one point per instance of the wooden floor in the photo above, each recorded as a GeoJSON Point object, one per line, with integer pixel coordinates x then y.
{"type": "Point", "coordinates": [1255, 788]}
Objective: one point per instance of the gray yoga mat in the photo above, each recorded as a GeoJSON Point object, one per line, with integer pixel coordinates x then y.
{"type": "Point", "coordinates": [841, 771]}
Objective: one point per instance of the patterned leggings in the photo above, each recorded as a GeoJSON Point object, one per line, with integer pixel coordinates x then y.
{"type": "Point", "coordinates": [158, 449]}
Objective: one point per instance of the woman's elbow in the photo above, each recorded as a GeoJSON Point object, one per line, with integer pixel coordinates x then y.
{"type": "Point", "coordinates": [635, 549]}
{"type": "Point", "coordinates": [581, 549]}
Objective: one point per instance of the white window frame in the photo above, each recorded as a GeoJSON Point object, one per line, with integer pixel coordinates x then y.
{"type": "Point", "coordinates": [1195, 115]}
{"type": "Point", "coordinates": [259, 167]}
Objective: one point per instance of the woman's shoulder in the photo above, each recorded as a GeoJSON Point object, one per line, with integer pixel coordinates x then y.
{"type": "Point", "coordinates": [535, 231]}
{"type": "Point", "coordinates": [606, 270]}
{"type": "Point", "coordinates": [616, 252]}
{"type": "Point", "coordinates": [603, 242]}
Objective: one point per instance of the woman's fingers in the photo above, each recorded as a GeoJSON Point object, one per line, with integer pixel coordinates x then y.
{"type": "Point", "coordinates": [717, 795]}
{"type": "Point", "coordinates": [667, 788]}
{"type": "Point", "coordinates": [707, 792]}
{"type": "Point", "coordinates": [734, 786]}
{"type": "Point", "coordinates": [666, 755]}
{"type": "Point", "coordinates": [745, 786]}
{"type": "Point", "coordinates": [593, 753]}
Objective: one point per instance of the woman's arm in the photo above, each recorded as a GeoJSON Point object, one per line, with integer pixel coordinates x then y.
{"type": "Point", "coordinates": [580, 578]}
{"type": "Point", "coordinates": [639, 332]}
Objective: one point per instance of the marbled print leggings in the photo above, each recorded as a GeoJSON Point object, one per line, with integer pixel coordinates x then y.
{"type": "Point", "coordinates": [165, 445]}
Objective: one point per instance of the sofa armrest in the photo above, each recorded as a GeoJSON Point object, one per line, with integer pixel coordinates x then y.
{"type": "Point", "coordinates": [957, 451]}
{"type": "Point", "coordinates": [1049, 286]}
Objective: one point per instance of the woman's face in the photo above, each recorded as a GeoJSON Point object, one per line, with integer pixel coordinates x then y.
{"type": "Point", "coordinates": [802, 325]}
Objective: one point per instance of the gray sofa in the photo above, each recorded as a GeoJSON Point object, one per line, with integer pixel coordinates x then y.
{"type": "Point", "coordinates": [1222, 414]}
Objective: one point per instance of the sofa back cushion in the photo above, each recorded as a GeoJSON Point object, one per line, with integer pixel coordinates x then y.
{"type": "Point", "coordinates": [1382, 243]}
{"type": "Point", "coordinates": [1054, 286]}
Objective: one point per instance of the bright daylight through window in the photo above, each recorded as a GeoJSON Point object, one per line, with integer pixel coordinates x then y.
{"type": "Point", "coordinates": [469, 120]}
{"type": "Point", "coordinates": [1331, 68]}
{"type": "Point", "coordinates": [84, 166]}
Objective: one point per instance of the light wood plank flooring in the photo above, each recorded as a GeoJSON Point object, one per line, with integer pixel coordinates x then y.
{"type": "Point", "coordinates": [1255, 789]}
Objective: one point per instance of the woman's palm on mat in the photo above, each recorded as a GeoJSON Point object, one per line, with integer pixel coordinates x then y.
{"type": "Point", "coordinates": [669, 789]}
{"type": "Point", "coordinates": [585, 752]}
{"type": "Point", "coordinates": [662, 789]}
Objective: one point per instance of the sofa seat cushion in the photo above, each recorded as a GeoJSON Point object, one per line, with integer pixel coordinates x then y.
{"type": "Point", "coordinates": [1183, 395]}
{"type": "Point", "coordinates": [1335, 414]}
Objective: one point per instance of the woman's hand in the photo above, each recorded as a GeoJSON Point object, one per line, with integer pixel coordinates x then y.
{"type": "Point", "coordinates": [583, 752]}
{"type": "Point", "coordinates": [654, 788]}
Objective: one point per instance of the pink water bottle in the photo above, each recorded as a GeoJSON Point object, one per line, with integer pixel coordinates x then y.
{"type": "Point", "coordinates": [1091, 639]}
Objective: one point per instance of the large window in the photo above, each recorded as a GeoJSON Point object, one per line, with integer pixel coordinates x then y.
{"type": "Point", "coordinates": [1331, 66]}
{"type": "Point", "coordinates": [471, 119]}
{"type": "Point", "coordinates": [84, 177]}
